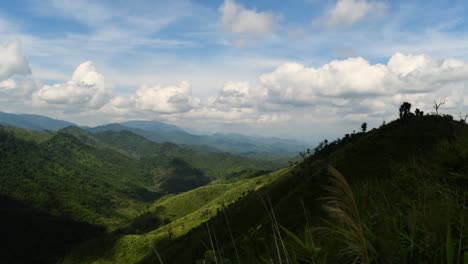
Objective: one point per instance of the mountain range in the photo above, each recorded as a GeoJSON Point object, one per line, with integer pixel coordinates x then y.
{"type": "Point", "coordinates": [251, 146]}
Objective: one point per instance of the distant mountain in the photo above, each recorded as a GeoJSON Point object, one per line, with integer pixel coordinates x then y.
{"type": "Point", "coordinates": [155, 126]}
{"type": "Point", "coordinates": [35, 122]}
{"type": "Point", "coordinates": [159, 132]}
{"type": "Point", "coordinates": [252, 146]}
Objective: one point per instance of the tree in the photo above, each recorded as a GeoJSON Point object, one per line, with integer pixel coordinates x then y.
{"type": "Point", "coordinates": [436, 105]}
{"type": "Point", "coordinates": [462, 117]}
{"type": "Point", "coordinates": [364, 127]}
{"type": "Point", "coordinates": [405, 109]}
{"type": "Point", "coordinates": [418, 112]}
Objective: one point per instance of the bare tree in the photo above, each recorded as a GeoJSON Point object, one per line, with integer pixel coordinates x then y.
{"type": "Point", "coordinates": [462, 117]}
{"type": "Point", "coordinates": [438, 105]}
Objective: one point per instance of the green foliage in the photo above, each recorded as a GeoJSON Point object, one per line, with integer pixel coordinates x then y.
{"type": "Point", "coordinates": [215, 165]}
{"type": "Point", "coordinates": [185, 213]}
{"type": "Point", "coordinates": [399, 197]}
{"type": "Point", "coordinates": [82, 177]}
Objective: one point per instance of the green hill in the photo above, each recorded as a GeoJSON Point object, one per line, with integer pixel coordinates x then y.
{"type": "Point", "coordinates": [172, 217]}
{"type": "Point", "coordinates": [215, 164]}
{"type": "Point", "coordinates": [276, 149]}
{"type": "Point", "coordinates": [103, 180]}
{"type": "Point", "coordinates": [396, 194]}
{"type": "Point", "coordinates": [401, 200]}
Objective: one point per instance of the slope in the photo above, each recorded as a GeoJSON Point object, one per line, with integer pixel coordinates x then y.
{"type": "Point", "coordinates": [83, 181]}
{"type": "Point", "coordinates": [407, 178]}
{"type": "Point", "coordinates": [215, 165]}
{"type": "Point", "coordinates": [66, 176]}
{"type": "Point", "coordinates": [169, 218]}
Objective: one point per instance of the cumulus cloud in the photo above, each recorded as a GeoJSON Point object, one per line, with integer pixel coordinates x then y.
{"type": "Point", "coordinates": [236, 103]}
{"type": "Point", "coordinates": [118, 105]}
{"type": "Point", "coordinates": [348, 12]}
{"type": "Point", "coordinates": [236, 95]}
{"type": "Point", "coordinates": [12, 61]}
{"type": "Point", "coordinates": [18, 88]}
{"type": "Point", "coordinates": [165, 99]}
{"type": "Point", "coordinates": [355, 90]}
{"type": "Point", "coordinates": [239, 20]}
{"type": "Point", "coordinates": [87, 88]}
{"type": "Point", "coordinates": [296, 84]}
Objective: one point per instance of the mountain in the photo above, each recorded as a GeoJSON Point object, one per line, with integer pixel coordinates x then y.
{"type": "Point", "coordinates": [276, 149]}
{"type": "Point", "coordinates": [216, 165]}
{"type": "Point", "coordinates": [255, 147]}
{"type": "Point", "coordinates": [35, 122]}
{"type": "Point", "coordinates": [152, 126]}
{"type": "Point", "coordinates": [396, 194]}
{"type": "Point", "coordinates": [93, 183]}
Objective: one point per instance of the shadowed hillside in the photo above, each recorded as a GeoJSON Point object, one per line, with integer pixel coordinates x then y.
{"type": "Point", "coordinates": [407, 180]}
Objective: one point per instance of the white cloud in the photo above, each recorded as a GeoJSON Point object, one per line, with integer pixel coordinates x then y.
{"type": "Point", "coordinates": [296, 84]}
{"type": "Point", "coordinates": [165, 99]}
{"type": "Point", "coordinates": [13, 90]}
{"type": "Point", "coordinates": [236, 103]}
{"type": "Point", "coordinates": [236, 95]}
{"type": "Point", "coordinates": [239, 20]}
{"type": "Point", "coordinates": [348, 12]}
{"type": "Point", "coordinates": [12, 61]}
{"type": "Point", "coordinates": [168, 99]}
{"type": "Point", "coordinates": [87, 88]}
{"type": "Point", "coordinates": [351, 90]}
{"type": "Point", "coordinates": [8, 84]}
{"type": "Point", "coordinates": [117, 106]}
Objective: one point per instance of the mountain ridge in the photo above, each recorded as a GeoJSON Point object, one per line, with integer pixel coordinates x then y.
{"type": "Point", "coordinates": [251, 146]}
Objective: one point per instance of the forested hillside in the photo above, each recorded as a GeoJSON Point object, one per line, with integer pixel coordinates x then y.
{"type": "Point", "coordinates": [103, 180]}
{"type": "Point", "coordinates": [395, 194]}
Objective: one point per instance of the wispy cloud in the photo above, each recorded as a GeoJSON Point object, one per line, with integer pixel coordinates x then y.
{"type": "Point", "coordinates": [349, 12]}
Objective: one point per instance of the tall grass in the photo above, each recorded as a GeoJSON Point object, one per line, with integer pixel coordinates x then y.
{"type": "Point", "coordinates": [341, 206]}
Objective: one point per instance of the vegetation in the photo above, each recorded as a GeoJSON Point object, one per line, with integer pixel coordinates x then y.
{"type": "Point", "coordinates": [397, 196]}
{"type": "Point", "coordinates": [393, 194]}
{"type": "Point", "coordinates": [80, 177]}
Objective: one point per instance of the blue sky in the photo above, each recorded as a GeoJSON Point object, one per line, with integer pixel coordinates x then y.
{"type": "Point", "coordinates": [260, 67]}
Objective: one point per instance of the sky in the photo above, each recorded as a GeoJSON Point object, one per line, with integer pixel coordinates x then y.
{"type": "Point", "coordinates": [302, 69]}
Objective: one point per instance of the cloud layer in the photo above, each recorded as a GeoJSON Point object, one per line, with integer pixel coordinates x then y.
{"type": "Point", "coordinates": [349, 89]}
{"type": "Point", "coordinates": [239, 20]}
{"type": "Point", "coordinates": [356, 78]}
